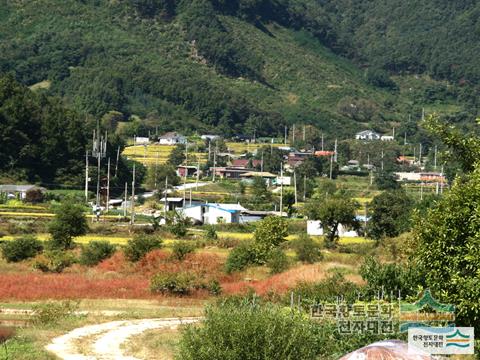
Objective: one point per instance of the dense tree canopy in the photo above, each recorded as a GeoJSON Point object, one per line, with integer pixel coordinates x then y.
{"type": "Point", "coordinates": [41, 140]}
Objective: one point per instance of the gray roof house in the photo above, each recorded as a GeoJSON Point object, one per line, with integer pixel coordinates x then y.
{"type": "Point", "coordinates": [367, 135]}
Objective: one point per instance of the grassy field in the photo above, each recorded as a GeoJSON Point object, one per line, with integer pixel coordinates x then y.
{"type": "Point", "coordinates": [33, 336]}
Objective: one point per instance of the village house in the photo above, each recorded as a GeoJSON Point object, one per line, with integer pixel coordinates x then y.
{"type": "Point", "coordinates": [421, 177]}
{"type": "Point", "coordinates": [432, 177]}
{"type": "Point", "coordinates": [213, 214]}
{"type": "Point", "coordinates": [172, 138]}
{"type": "Point", "coordinates": [210, 137]}
{"type": "Point", "coordinates": [282, 180]}
{"type": "Point", "coordinates": [172, 203]}
{"type": "Point", "coordinates": [267, 176]}
{"type": "Point", "coordinates": [187, 171]}
{"type": "Point", "coordinates": [367, 135]}
{"type": "Point", "coordinates": [324, 153]}
{"type": "Point", "coordinates": [18, 191]}
{"type": "Point", "coordinates": [139, 140]}
{"type": "Point", "coordinates": [246, 163]}
{"type": "Point", "coordinates": [229, 172]}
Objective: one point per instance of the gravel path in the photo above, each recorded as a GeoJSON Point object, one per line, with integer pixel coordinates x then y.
{"type": "Point", "coordinates": [103, 341]}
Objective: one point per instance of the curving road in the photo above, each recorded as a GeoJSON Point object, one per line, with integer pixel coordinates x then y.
{"type": "Point", "coordinates": [104, 341]}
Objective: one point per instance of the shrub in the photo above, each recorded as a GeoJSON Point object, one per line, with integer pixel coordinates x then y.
{"type": "Point", "coordinates": [277, 261]}
{"type": "Point", "coordinates": [270, 233]}
{"type": "Point", "coordinates": [240, 257]}
{"type": "Point", "coordinates": [328, 289]}
{"type": "Point", "coordinates": [214, 288]}
{"type": "Point", "coordinates": [34, 196]}
{"type": "Point", "coordinates": [20, 227]}
{"type": "Point", "coordinates": [178, 225]}
{"type": "Point", "coordinates": [69, 221]}
{"type": "Point", "coordinates": [306, 249]}
{"type": "Point", "coordinates": [51, 313]}
{"type": "Point", "coordinates": [140, 245]}
{"type": "Point", "coordinates": [95, 252]}
{"type": "Point", "coordinates": [228, 243]}
{"type": "Point", "coordinates": [249, 332]}
{"type": "Point", "coordinates": [173, 283]}
{"type": "Point", "coordinates": [390, 278]}
{"type": "Point", "coordinates": [54, 261]}
{"type": "Point", "coordinates": [181, 249]}
{"type": "Point", "coordinates": [21, 248]}
{"type": "Point", "coordinates": [210, 233]}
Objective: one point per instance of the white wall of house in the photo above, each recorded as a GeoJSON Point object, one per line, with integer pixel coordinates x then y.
{"type": "Point", "coordinates": [408, 176]}
{"type": "Point", "coordinates": [215, 215]}
{"type": "Point", "coordinates": [194, 213]}
{"type": "Point", "coordinates": [172, 141]}
{"type": "Point", "coordinates": [285, 180]}
{"type": "Point", "coordinates": [141, 140]}
{"type": "Point", "coordinates": [211, 215]}
{"type": "Point", "coordinates": [314, 228]}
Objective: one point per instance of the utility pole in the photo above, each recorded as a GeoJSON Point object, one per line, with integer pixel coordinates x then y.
{"type": "Point", "coordinates": [214, 162]}
{"type": "Point", "coordinates": [382, 159]}
{"type": "Point", "coordinates": [99, 151]}
{"type": "Point", "coordinates": [420, 155]}
{"type": "Point", "coordinates": [118, 159]}
{"type": "Point", "coordinates": [286, 129]}
{"type": "Point", "coordinates": [295, 184]}
{"type": "Point", "coordinates": [86, 177]}
{"type": "Point", "coordinates": [156, 171]}
{"type": "Point", "coordinates": [261, 163]}
{"type": "Point", "coordinates": [293, 135]}
{"type": "Point", "coordinates": [185, 175]}
{"type": "Point", "coordinates": [108, 186]}
{"type": "Point", "coordinates": [132, 215]}
{"type": "Point", "coordinates": [322, 142]}
{"type": "Point", "coordinates": [335, 151]}
{"type": "Point", "coordinates": [281, 190]}
{"type": "Point", "coordinates": [304, 188]}
{"type": "Point", "coordinates": [304, 133]}
{"type": "Point", "coordinates": [198, 173]}
{"type": "Point", "coordinates": [442, 181]}
{"type": "Point", "coordinates": [331, 167]}
{"type": "Point", "coordinates": [405, 139]}
{"type": "Point", "coordinates": [125, 201]}
{"type": "Point", "coordinates": [165, 200]}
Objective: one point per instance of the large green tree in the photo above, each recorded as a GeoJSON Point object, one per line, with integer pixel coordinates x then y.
{"type": "Point", "coordinates": [448, 249]}
{"type": "Point", "coordinates": [269, 234]}
{"type": "Point", "coordinates": [41, 140]}
{"type": "Point", "coordinates": [333, 212]}
{"type": "Point", "coordinates": [389, 214]}
{"type": "Point", "coordinates": [69, 221]}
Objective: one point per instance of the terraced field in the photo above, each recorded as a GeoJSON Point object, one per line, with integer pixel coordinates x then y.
{"type": "Point", "coordinates": [151, 154]}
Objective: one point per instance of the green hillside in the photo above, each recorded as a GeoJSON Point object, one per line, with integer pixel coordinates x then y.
{"type": "Point", "coordinates": [223, 66]}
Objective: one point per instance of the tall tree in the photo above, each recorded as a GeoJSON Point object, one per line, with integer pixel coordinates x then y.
{"type": "Point", "coordinates": [333, 212]}
{"type": "Point", "coordinates": [389, 214]}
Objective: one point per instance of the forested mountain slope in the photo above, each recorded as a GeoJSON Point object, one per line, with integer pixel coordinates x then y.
{"type": "Point", "coordinates": [232, 66]}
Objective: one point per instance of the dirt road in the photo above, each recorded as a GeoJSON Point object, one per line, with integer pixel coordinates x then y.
{"type": "Point", "coordinates": [104, 341]}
